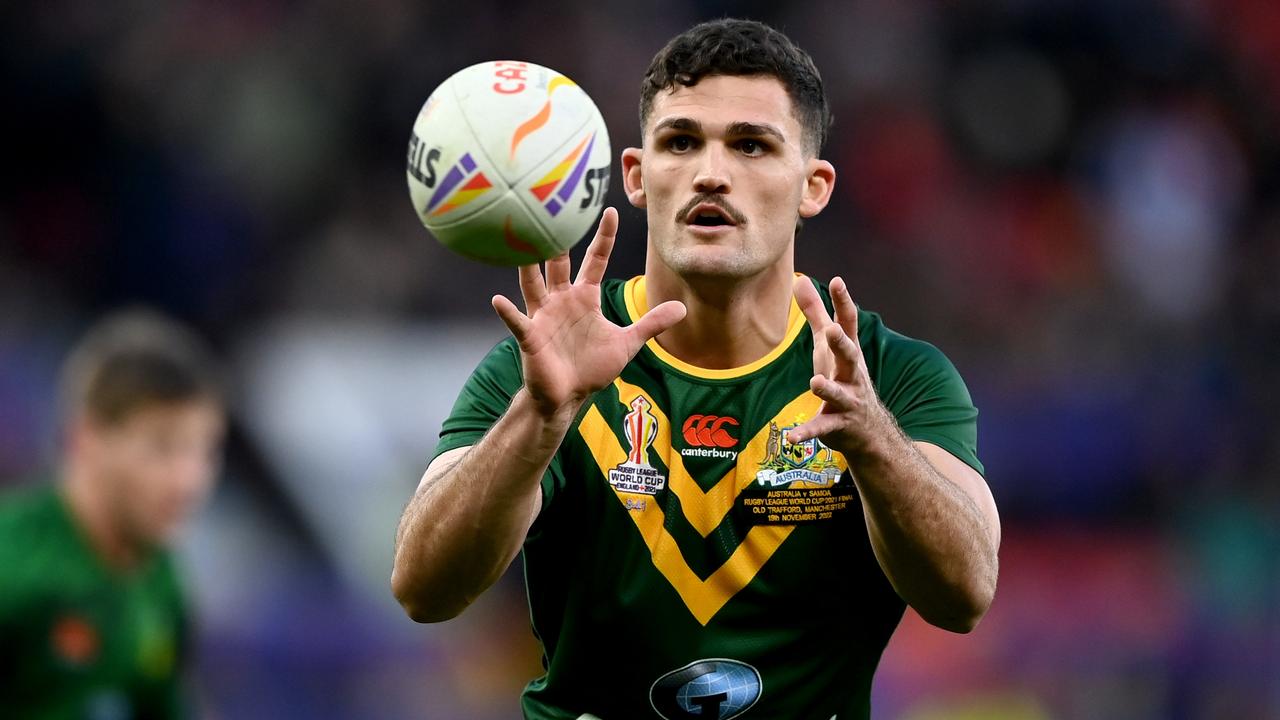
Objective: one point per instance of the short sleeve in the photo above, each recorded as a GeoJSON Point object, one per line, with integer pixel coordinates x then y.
{"type": "Point", "coordinates": [927, 396]}
{"type": "Point", "coordinates": [484, 399]}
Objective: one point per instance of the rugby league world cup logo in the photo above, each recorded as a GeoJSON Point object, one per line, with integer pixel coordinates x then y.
{"type": "Point", "coordinates": [636, 475]}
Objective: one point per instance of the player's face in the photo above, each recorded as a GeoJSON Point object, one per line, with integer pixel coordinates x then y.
{"type": "Point", "coordinates": [159, 464]}
{"type": "Point", "coordinates": [724, 175]}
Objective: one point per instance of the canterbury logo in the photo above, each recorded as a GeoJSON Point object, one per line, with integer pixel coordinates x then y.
{"type": "Point", "coordinates": [708, 431]}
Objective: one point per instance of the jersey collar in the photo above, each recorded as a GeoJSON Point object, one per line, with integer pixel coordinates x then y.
{"type": "Point", "coordinates": [637, 304]}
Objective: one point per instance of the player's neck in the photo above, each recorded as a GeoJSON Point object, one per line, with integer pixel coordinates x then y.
{"type": "Point", "coordinates": [729, 323]}
{"type": "Point", "coordinates": [91, 513]}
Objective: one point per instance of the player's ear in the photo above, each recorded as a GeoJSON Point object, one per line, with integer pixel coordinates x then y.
{"type": "Point", "coordinates": [631, 179]}
{"type": "Point", "coordinates": [819, 183]}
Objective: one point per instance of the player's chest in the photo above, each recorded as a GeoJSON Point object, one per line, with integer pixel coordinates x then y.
{"type": "Point", "coordinates": [722, 450]}
{"type": "Point", "coordinates": [702, 483]}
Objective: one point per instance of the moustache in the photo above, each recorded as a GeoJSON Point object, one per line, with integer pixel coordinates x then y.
{"type": "Point", "coordinates": [712, 199]}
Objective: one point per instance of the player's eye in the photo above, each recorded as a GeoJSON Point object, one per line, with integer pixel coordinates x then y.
{"type": "Point", "coordinates": [751, 147]}
{"type": "Point", "coordinates": [680, 143]}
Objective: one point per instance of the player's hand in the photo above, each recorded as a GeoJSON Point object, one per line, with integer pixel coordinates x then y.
{"type": "Point", "coordinates": [852, 414]}
{"type": "Point", "coordinates": [568, 348]}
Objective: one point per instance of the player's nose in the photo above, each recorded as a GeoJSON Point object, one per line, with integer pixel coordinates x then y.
{"type": "Point", "coordinates": [712, 172]}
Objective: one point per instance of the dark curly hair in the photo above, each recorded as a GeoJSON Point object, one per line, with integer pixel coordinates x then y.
{"type": "Point", "coordinates": [731, 46]}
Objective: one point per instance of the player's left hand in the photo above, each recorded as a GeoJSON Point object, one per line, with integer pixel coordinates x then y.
{"type": "Point", "coordinates": [852, 415]}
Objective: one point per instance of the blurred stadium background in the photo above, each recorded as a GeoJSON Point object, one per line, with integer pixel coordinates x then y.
{"type": "Point", "coordinates": [1078, 201]}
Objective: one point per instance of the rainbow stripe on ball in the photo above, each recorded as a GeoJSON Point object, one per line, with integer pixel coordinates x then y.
{"type": "Point", "coordinates": [446, 199]}
{"type": "Point", "coordinates": [552, 181]}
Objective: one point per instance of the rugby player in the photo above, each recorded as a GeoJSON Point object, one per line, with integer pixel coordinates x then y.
{"type": "Point", "coordinates": [728, 481]}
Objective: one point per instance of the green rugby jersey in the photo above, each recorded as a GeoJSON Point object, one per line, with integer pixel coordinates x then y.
{"type": "Point", "coordinates": [81, 641]}
{"type": "Point", "coordinates": [690, 563]}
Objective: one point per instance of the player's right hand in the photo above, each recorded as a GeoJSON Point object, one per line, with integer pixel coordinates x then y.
{"type": "Point", "coordinates": [568, 348]}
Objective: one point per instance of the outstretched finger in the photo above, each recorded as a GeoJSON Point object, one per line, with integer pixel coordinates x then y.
{"type": "Point", "coordinates": [654, 323]}
{"type": "Point", "coordinates": [558, 272]}
{"type": "Point", "coordinates": [532, 287]}
{"type": "Point", "coordinates": [810, 304]}
{"type": "Point", "coordinates": [597, 257]}
{"type": "Point", "coordinates": [836, 396]}
{"type": "Point", "coordinates": [511, 316]}
{"type": "Point", "coordinates": [816, 313]}
{"type": "Point", "coordinates": [846, 310]}
{"type": "Point", "coordinates": [845, 352]}
{"type": "Point", "coordinates": [819, 426]}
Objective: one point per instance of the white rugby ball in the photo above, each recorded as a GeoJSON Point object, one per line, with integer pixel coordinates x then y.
{"type": "Point", "coordinates": [508, 163]}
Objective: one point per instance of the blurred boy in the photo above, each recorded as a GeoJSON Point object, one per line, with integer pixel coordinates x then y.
{"type": "Point", "coordinates": [92, 617]}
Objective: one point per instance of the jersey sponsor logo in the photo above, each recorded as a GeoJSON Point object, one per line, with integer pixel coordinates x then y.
{"type": "Point", "coordinates": [711, 689]}
{"type": "Point", "coordinates": [702, 452]}
{"type": "Point", "coordinates": [709, 431]}
{"type": "Point", "coordinates": [635, 474]}
{"type": "Point", "coordinates": [74, 640]}
{"type": "Point", "coordinates": [809, 462]}
{"type": "Point", "coordinates": [709, 436]}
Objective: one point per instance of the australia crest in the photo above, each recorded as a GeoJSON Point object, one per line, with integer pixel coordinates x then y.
{"type": "Point", "coordinates": [810, 462]}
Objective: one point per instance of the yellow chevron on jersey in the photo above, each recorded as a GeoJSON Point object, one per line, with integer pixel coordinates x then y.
{"type": "Point", "coordinates": [703, 510]}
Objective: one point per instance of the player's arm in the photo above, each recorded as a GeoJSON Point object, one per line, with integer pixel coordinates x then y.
{"type": "Point", "coordinates": [931, 518]}
{"type": "Point", "coordinates": [471, 512]}
{"type": "Point", "coordinates": [933, 527]}
{"type": "Point", "coordinates": [474, 507]}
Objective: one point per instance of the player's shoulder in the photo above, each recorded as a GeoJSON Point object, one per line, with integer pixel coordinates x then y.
{"type": "Point", "coordinates": [613, 286]}
{"type": "Point", "coordinates": [504, 350]}
{"type": "Point", "coordinates": [886, 346]}
{"type": "Point", "coordinates": [27, 507]}
{"type": "Point", "coordinates": [613, 300]}
{"type": "Point", "coordinates": [898, 346]}
{"type": "Point", "coordinates": [33, 529]}
{"type": "Point", "coordinates": [501, 365]}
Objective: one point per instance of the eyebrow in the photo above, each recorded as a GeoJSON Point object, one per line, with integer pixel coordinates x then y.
{"type": "Point", "coordinates": [740, 129]}
{"type": "Point", "coordinates": [735, 129]}
{"type": "Point", "coordinates": [678, 123]}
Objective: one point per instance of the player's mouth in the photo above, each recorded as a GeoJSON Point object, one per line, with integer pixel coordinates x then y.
{"type": "Point", "coordinates": [710, 218]}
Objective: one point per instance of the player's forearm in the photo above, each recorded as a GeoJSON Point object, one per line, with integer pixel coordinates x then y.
{"type": "Point", "coordinates": [464, 527]}
{"type": "Point", "coordinates": [930, 538]}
